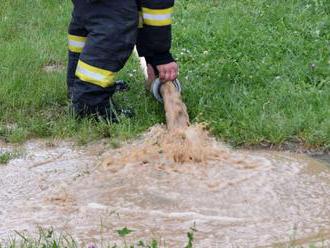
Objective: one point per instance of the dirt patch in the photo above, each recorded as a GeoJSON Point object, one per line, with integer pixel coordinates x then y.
{"type": "Point", "coordinates": [53, 67]}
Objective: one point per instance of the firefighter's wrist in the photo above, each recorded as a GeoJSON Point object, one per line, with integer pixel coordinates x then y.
{"type": "Point", "coordinates": [160, 59]}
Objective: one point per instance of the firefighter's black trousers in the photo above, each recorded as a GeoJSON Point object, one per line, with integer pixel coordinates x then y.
{"type": "Point", "coordinates": [102, 35]}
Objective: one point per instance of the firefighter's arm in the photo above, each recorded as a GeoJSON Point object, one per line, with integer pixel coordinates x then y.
{"type": "Point", "coordinates": [155, 37]}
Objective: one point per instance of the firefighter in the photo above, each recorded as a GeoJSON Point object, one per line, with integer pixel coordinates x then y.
{"type": "Point", "coordinates": [102, 35]}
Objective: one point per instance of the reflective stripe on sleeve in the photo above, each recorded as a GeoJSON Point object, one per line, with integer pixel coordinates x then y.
{"type": "Point", "coordinates": [157, 17]}
{"type": "Point", "coordinates": [76, 43]}
{"type": "Point", "coordinates": [94, 75]}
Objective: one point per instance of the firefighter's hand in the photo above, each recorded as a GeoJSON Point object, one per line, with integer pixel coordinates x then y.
{"type": "Point", "coordinates": [168, 72]}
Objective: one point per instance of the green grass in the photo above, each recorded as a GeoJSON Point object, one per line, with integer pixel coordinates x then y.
{"type": "Point", "coordinates": [5, 157]}
{"type": "Point", "coordinates": [254, 70]}
{"type": "Point", "coordinates": [48, 238]}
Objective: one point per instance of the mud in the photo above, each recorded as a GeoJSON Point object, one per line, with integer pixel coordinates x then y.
{"type": "Point", "coordinates": [177, 146]}
{"type": "Point", "coordinates": [181, 142]}
{"type": "Point", "coordinates": [322, 157]}
{"type": "Point", "coordinates": [175, 110]}
{"type": "Point", "coordinates": [234, 198]}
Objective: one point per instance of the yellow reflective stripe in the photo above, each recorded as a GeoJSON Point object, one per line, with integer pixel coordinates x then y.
{"type": "Point", "coordinates": [76, 43]}
{"type": "Point", "coordinates": [157, 22]}
{"type": "Point", "coordinates": [94, 75]}
{"type": "Point", "coordinates": [94, 69]}
{"type": "Point", "coordinates": [157, 11]}
{"type": "Point", "coordinates": [157, 17]}
{"type": "Point", "coordinates": [75, 49]}
{"type": "Point", "coordinates": [77, 38]}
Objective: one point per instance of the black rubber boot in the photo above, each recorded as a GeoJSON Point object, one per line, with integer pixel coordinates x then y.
{"type": "Point", "coordinates": [110, 113]}
{"type": "Point", "coordinates": [85, 104]}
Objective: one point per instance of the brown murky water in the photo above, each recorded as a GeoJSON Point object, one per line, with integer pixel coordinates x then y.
{"type": "Point", "coordinates": [234, 198]}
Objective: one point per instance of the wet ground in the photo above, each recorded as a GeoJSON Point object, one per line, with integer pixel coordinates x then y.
{"type": "Point", "coordinates": [238, 199]}
{"type": "Point", "coordinates": [323, 158]}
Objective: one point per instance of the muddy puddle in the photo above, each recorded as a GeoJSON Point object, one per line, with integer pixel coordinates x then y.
{"type": "Point", "coordinates": [233, 198]}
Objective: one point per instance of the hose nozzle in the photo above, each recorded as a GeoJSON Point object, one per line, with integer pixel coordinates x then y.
{"type": "Point", "coordinates": [155, 88]}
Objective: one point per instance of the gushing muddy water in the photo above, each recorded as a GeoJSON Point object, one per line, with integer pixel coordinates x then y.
{"type": "Point", "coordinates": [234, 198]}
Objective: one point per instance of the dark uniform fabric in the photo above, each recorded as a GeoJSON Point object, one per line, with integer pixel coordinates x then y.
{"type": "Point", "coordinates": [154, 41]}
{"type": "Point", "coordinates": [102, 35]}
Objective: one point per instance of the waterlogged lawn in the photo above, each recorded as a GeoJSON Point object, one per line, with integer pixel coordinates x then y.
{"type": "Point", "coordinates": [254, 71]}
